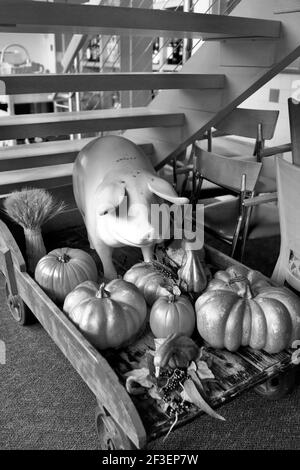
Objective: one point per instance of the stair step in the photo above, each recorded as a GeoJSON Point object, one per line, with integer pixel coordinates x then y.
{"type": "Point", "coordinates": [58, 152]}
{"type": "Point", "coordinates": [48, 17]}
{"type": "Point", "coordinates": [54, 124]}
{"type": "Point", "coordinates": [52, 176]}
{"type": "Point", "coordinates": [46, 83]}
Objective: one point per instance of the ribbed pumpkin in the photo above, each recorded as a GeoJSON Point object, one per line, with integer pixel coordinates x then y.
{"type": "Point", "coordinates": [152, 279]}
{"type": "Point", "coordinates": [63, 269]}
{"type": "Point", "coordinates": [172, 314]}
{"type": "Point", "coordinates": [192, 276]}
{"type": "Point", "coordinates": [109, 316]}
{"type": "Point", "coordinates": [240, 308]}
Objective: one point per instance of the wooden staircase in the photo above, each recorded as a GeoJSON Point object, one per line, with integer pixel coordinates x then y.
{"type": "Point", "coordinates": [241, 53]}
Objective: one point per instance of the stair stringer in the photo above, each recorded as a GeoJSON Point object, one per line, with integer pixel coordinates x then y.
{"type": "Point", "coordinates": [247, 65]}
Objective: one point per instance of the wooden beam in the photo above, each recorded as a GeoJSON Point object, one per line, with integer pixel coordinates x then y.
{"type": "Point", "coordinates": [53, 124]}
{"type": "Point", "coordinates": [46, 83]}
{"type": "Point", "coordinates": [57, 17]}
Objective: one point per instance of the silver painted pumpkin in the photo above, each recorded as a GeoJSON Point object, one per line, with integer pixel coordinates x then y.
{"type": "Point", "coordinates": [62, 269]}
{"type": "Point", "coordinates": [109, 316]}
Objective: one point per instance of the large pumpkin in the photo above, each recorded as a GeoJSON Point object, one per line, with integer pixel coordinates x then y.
{"type": "Point", "coordinates": [152, 279]}
{"type": "Point", "coordinates": [109, 316]}
{"type": "Point", "coordinates": [172, 314]}
{"type": "Point", "coordinates": [240, 308]}
{"type": "Point", "coordinates": [63, 269]}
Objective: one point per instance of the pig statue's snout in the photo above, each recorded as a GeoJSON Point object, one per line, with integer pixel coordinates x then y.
{"type": "Point", "coordinates": [140, 235]}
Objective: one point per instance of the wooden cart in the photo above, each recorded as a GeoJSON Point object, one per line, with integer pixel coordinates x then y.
{"type": "Point", "coordinates": [122, 421]}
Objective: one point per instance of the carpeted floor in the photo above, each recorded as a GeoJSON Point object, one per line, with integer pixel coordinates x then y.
{"type": "Point", "coordinates": [44, 404]}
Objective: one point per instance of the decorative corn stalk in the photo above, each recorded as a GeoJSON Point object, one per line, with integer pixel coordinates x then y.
{"type": "Point", "coordinates": [31, 208]}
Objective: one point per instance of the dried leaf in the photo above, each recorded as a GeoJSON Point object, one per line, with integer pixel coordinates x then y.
{"type": "Point", "coordinates": [150, 364]}
{"type": "Point", "coordinates": [141, 377]}
{"type": "Point", "coordinates": [133, 388]}
{"type": "Point", "coordinates": [191, 394]}
{"type": "Point", "coordinates": [153, 392]}
{"type": "Point", "coordinates": [192, 366]}
{"type": "Point", "coordinates": [195, 378]}
{"type": "Point", "coordinates": [164, 406]}
{"type": "Point", "coordinates": [157, 343]}
{"type": "Point", "coordinates": [204, 371]}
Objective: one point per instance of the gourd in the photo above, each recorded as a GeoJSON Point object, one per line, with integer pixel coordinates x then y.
{"type": "Point", "coordinates": [241, 308]}
{"type": "Point", "coordinates": [192, 275]}
{"type": "Point", "coordinates": [152, 279]}
{"type": "Point", "coordinates": [109, 316]}
{"type": "Point", "coordinates": [62, 269]}
{"type": "Point", "coordinates": [177, 351]}
{"type": "Point", "coordinates": [172, 314]}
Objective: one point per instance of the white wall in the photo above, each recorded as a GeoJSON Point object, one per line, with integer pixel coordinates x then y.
{"type": "Point", "coordinates": [287, 85]}
{"type": "Point", "coordinates": [41, 47]}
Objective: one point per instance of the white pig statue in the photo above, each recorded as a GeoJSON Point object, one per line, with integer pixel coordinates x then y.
{"type": "Point", "coordinates": [107, 172]}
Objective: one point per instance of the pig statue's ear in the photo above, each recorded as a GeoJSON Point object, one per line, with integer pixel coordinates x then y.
{"type": "Point", "coordinates": [165, 190]}
{"type": "Point", "coordinates": [109, 196]}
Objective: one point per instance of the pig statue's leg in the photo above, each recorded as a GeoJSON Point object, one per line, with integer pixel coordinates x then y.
{"type": "Point", "coordinates": [147, 253]}
{"type": "Point", "coordinates": [91, 243]}
{"type": "Point", "coordinates": [105, 254]}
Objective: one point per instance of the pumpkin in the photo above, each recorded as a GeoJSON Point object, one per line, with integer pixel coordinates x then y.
{"type": "Point", "coordinates": [62, 269]}
{"type": "Point", "coordinates": [109, 316]}
{"type": "Point", "coordinates": [177, 351]}
{"type": "Point", "coordinates": [241, 308]}
{"type": "Point", "coordinates": [152, 279]}
{"type": "Point", "coordinates": [172, 314]}
{"type": "Point", "coordinates": [192, 276]}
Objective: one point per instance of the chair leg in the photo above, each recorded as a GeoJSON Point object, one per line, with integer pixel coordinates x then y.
{"type": "Point", "coordinates": [184, 185]}
{"type": "Point", "coordinates": [174, 165]}
{"type": "Point", "coordinates": [236, 236]}
{"type": "Point", "coordinates": [245, 233]}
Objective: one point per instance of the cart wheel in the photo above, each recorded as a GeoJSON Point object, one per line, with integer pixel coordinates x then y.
{"type": "Point", "coordinates": [18, 309]}
{"type": "Point", "coordinates": [277, 387]}
{"type": "Point", "coordinates": [111, 436]}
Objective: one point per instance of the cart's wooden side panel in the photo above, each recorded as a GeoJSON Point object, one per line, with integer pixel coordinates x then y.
{"type": "Point", "coordinates": [8, 241]}
{"type": "Point", "coordinates": [90, 365]}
